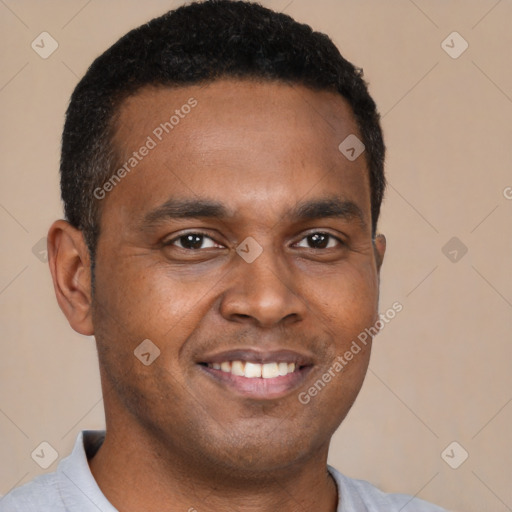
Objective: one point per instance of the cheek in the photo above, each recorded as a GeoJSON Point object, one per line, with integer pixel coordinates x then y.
{"type": "Point", "coordinates": [349, 303]}
{"type": "Point", "coordinates": [348, 298]}
{"type": "Point", "coordinates": [146, 300]}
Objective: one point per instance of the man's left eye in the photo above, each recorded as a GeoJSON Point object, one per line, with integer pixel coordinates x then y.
{"type": "Point", "coordinates": [321, 240]}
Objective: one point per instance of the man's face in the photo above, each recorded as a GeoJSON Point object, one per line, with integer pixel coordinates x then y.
{"type": "Point", "coordinates": [266, 153]}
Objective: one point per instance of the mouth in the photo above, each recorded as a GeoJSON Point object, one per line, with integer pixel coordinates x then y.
{"type": "Point", "coordinates": [258, 375]}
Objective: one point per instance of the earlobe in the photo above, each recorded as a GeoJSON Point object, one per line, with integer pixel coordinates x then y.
{"type": "Point", "coordinates": [380, 249]}
{"type": "Point", "coordinates": [69, 262]}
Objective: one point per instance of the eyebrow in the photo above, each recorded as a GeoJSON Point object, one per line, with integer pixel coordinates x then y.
{"type": "Point", "coordinates": [327, 207]}
{"type": "Point", "coordinates": [330, 207]}
{"type": "Point", "coordinates": [185, 209]}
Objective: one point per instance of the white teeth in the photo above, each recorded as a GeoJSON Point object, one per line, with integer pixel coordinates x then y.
{"type": "Point", "coordinates": [255, 370]}
{"type": "Point", "coordinates": [283, 368]}
{"type": "Point", "coordinates": [237, 368]}
{"type": "Point", "coordinates": [252, 370]}
{"type": "Point", "coordinates": [269, 370]}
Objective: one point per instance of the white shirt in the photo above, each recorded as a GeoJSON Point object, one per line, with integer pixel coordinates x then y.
{"type": "Point", "coordinates": [72, 488]}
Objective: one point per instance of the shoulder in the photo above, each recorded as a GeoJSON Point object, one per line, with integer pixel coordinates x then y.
{"type": "Point", "coordinates": [362, 495]}
{"type": "Point", "coordinates": [70, 487]}
{"type": "Point", "coordinates": [39, 495]}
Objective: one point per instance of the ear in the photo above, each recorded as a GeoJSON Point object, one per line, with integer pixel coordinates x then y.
{"type": "Point", "coordinates": [70, 265]}
{"type": "Point", "coordinates": [379, 245]}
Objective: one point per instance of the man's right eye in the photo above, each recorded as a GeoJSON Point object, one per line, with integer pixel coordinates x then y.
{"type": "Point", "coordinates": [192, 241]}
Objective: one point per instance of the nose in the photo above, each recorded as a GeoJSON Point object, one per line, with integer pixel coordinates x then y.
{"type": "Point", "coordinates": [263, 293]}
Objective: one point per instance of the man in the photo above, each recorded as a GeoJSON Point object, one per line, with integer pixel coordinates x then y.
{"type": "Point", "coordinates": [222, 175]}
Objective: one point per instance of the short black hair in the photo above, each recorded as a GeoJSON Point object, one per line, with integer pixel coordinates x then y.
{"type": "Point", "coordinates": [195, 44]}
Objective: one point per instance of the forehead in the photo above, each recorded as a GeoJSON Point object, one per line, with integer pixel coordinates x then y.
{"type": "Point", "coordinates": [246, 103]}
{"type": "Point", "coordinates": [253, 138]}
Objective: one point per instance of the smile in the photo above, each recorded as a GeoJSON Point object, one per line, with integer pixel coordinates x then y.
{"type": "Point", "coordinates": [251, 370]}
{"type": "Point", "coordinates": [256, 374]}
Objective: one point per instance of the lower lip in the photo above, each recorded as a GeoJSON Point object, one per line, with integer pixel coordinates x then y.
{"type": "Point", "coordinates": [259, 388]}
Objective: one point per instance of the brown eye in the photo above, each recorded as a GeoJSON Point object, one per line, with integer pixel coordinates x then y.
{"type": "Point", "coordinates": [193, 241]}
{"type": "Point", "coordinates": [320, 240]}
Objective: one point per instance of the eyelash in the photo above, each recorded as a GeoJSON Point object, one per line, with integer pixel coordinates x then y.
{"type": "Point", "coordinates": [171, 242]}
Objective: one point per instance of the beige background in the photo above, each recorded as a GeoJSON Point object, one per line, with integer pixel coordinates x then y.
{"type": "Point", "coordinates": [440, 371]}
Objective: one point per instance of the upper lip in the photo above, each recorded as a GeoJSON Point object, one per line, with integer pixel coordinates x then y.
{"type": "Point", "coordinates": [259, 356]}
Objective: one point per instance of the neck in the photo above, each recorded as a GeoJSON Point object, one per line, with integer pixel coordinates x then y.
{"type": "Point", "coordinates": [136, 473]}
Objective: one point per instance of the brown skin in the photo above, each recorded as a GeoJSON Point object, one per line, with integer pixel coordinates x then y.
{"type": "Point", "coordinates": [175, 435]}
